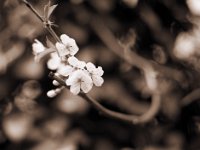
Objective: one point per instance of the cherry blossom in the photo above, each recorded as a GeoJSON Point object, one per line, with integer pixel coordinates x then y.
{"type": "Point", "coordinates": [67, 46]}
{"type": "Point", "coordinates": [95, 73]}
{"type": "Point", "coordinates": [74, 64]}
{"type": "Point", "coordinates": [77, 74]}
{"type": "Point", "coordinates": [65, 70]}
{"type": "Point", "coordinates": [79, 80]}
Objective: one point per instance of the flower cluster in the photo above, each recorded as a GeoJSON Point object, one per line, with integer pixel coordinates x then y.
{"type": "Point", "coordinates": [79, 75]}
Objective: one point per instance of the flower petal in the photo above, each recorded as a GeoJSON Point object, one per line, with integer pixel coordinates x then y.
{"type": "Point", "coordinates": [65, 70]}
{"type": "Point", "coordinates": [73, 48]}
{"type": "Point", "coordinates": [70, 44]}
{"type": "Point", "coordinates": [75, 88]}
{"type": "Point", "coordinates": [65, 39]}
{"type": "Point", "coordinates": [98, 81]}
{"type": "Point", "coordinates": [86, 84]}
{"type": "Point", "coordinates": [73, 61]}
{"type": "Point", "coordinates": [85, 87]}
{"type": "Point", "coordinates": [37, 47]}
{"type": "Point", "coordinates": [53, 63]}
{"type": "Point", "coordinates": [73, 78]}
{"type": "Point", "coordinates": [62, 49]}
{"type": "Point", "coordinates": [81, 64]}
{"type": "Point", "coordinates": [90, 67]}
{"type": "Point", "coordinates": [99, 71]}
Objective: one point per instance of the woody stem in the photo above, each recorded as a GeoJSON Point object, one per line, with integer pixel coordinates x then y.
{"type": "Point", "coordinates": [133, 119]}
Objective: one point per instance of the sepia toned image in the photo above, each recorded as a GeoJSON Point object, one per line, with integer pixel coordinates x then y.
{"type": "Point", "coordinates": [99, 75]}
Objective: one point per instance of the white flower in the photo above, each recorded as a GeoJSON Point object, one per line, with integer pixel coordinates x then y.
{"type": "Point", "coordinates": [38, 47]}
{"type": "Point", "coordinates": [54, 62]}
{"type": "Point", "coordinates": [95, 73]}
{"type": "Point", "coordinates": [67, 47]}
{"type": "Point", "coordinates": [74, 64]}
{"type": "Point", "coordinates": [79, 80]}
{"type": "Point", "coordinates": [65, 70]}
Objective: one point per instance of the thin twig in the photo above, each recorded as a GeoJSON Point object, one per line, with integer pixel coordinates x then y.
{"type": "Point", "coordinates": [52, 32]}
{"type": "Point", "coordinates": [133, 119]}
{"type": "Point", "coordinates": [45, 22]}
{"type": "Point", "coordinates": [33, 10]}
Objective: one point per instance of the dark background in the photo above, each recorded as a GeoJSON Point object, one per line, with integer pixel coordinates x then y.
{"type": "Point", "coordinates": [31, 120]}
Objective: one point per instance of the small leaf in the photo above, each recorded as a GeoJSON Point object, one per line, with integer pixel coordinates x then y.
{"type": "Point", "coordinates": [53, 24]}
{"type": "Point", "coordinates": [50, 10]}
{"type": "Point", "coordinates": [46, 10]}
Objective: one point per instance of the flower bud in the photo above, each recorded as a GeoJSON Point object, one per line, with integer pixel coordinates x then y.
{"type": "Point", "coordinates": [51, 93]}
{"type": "Point", "coordinates": [57, 90]}
{"type": "Point", "coordinates": [56, 83]}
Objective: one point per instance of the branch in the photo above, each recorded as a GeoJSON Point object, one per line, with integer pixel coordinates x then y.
{"type": "Point", "coordinates": [133, 119]}
{"type": "Point", "coordinates": [104, 33]}
{"type": "Point", "coordinates": [191, 97]}
{"type": "Point", "coordinates": [154, 108]}
{"type": "Point", "coordinates": [46, 23]}
{"type": "Point", "coordinates": [130, 57]}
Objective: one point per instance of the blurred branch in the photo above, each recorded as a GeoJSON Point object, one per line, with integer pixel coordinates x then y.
{"type": "Point", "coordinates": [133, 119]}
{"type": "Point", "coordinates": [123, 52]}
{"type": "Point", "coordinates": [111, 42]}
{"type": "Point", "coordinates": [115, 86]}
{"type": "Point", "coordinates": [132, 58]}
{"type": "Point", "coordinates": [191, 97]}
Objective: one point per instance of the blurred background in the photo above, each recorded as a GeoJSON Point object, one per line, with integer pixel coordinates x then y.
{"type": "Point", "coordinates": [163, 34]}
